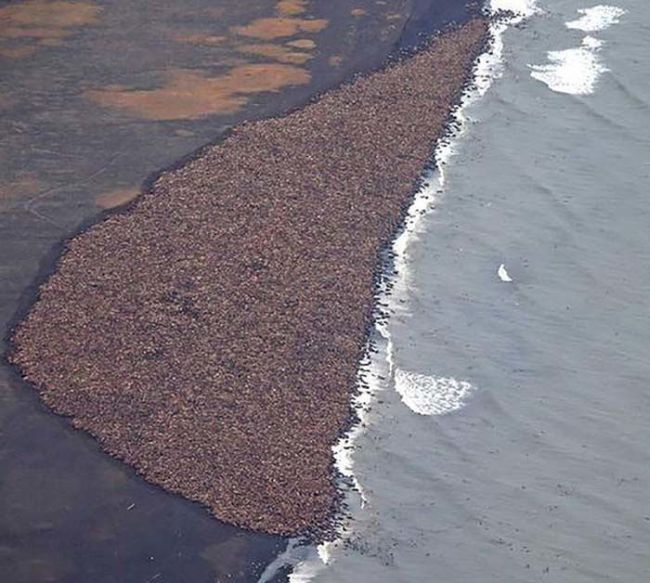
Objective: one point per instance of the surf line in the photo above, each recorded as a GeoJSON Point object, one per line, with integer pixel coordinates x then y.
{"type": "Point", "coordinates": [377, 369]}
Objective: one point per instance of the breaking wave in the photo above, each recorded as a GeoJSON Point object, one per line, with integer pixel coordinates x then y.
{"type": "Point", "coordinates": [573, 71]}
{"type": "Point", "coordinates": [576, 70]}
{"type": "Point", "coordinates": [596, 18]}
{"type": "Point", "coordinates": [429, 395]}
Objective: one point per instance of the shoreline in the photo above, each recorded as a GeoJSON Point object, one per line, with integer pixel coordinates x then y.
{"type": "Point", "coordinates": [127, 209]}
{"type": "Point", "coordinates": [377, 363]}
{"type": "Point", "coordinates": [409, 43]}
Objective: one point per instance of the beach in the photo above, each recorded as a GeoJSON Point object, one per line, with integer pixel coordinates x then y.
{"type": "Point", "coordinates": [302, 291]}
{"type": "Point", "coordinates": [87, 121]}
{"type": "Point", "coordinates": [210, 334]}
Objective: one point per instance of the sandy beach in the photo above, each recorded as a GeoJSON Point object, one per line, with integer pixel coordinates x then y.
{"type": "Point", "coordinates": [209, 335]}
{"type": "Point", "coordinates": [87, 100]}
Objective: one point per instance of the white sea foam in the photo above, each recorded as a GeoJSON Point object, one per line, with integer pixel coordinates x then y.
{"type": "Point", "coordinates": [503, 274]}
{"type": "Point", "coordinates": [596, 18]}
{"type": "Point", "coordinates": [296, 553]}
{"type": "Point", "coordinates": [429, 395]}
{"type": "Point", "coordinates": [592, 43]}
{"type": "Point", "coordinates": [523, 8]}
{"type": "Point", "coordinates": [574, 71]}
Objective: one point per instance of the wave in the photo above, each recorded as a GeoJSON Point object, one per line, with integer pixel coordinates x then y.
{"type": "Point", "coordinates": [503, 274]}
{"type": "Point", "coordinates": [596, 18]}
{"type": "Point", "coordinates": [429, 395]}
{"type": "Point", "coordinates": [574, 71]}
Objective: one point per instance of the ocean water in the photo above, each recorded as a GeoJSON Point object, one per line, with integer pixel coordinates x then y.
{"type": "Point", "coordinates": [506, 428]}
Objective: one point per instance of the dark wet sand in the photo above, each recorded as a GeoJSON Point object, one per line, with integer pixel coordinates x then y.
{"type": "Point", "coordinates": [209, 335]}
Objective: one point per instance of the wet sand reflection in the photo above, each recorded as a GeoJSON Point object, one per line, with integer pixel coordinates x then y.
{"type": "Point", "coordinates": [26, 26]}
{"type": "Point", "coordinates": [26, 184]}
{"type": "Point", "coordinates": [117, 197]}
{"type": "Point", "coordinates": [292, 7]}
{"type": "Point", "coordinates": [199, 38]}
{"type": "Point", "coordinates": [190, 94]}
{"type": "Point", "coordinates": [272, 28]}
{"type": "Point", "coordinates": [302, 43]}
{"type": "Point", "coordinates": [279, 53]}
{"type": "Point", "coordinates": [193, 93]}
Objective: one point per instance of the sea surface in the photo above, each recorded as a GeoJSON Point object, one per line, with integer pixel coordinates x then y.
{"type": "Point", "coordinates": [506, 434]}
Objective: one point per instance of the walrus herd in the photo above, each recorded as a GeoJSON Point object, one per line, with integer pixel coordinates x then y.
{"type": "Point", "coordinates": [209, 334]}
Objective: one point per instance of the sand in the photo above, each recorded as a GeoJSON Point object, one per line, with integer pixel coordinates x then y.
{"type": "Point", "coordinates": [209, 334]}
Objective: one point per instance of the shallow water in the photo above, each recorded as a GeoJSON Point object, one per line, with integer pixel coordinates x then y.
{"type": "Point", "coordinates": [540, 470]}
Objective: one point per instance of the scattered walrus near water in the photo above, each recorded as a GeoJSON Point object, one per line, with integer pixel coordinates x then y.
{"type": "Point", "coordinates": [209, 334]}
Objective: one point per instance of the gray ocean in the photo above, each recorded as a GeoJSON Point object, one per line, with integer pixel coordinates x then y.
{"type": "Point", "coordinates": [510, 439]}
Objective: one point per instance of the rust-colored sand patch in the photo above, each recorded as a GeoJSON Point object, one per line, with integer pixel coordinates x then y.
{"type": "Point", "coordinates": [233, 61]}
{"type": "Point", "coordinates": [277, 52]}
{"type": "Point", "coordinates": [183, 133]}
{"type": "Point", "coordinates": [291, 7]}
{"type": "Point", "coordinates": [189, 94]}
{"type": "Point", "coordinates": [17, 52]}
{"type": "Point", "coordinates": [24, 186]}
{"type": "Point", "coordinates": [117, 197]}
{"type": "Point", "coordinates": [199, 38]}
{"type": "Point", "coordinates": [50, 14]}
{"type": "Point", "coordinates": [335, 60]}
{"type": "Point", "coordinates": [271, 28]}
{"type": "Point", "coordinates": [302, 43]}
{"type": "Point", "coordinates": [43, 23]}
{"type": "Point", "coordinates": [39, 33]}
